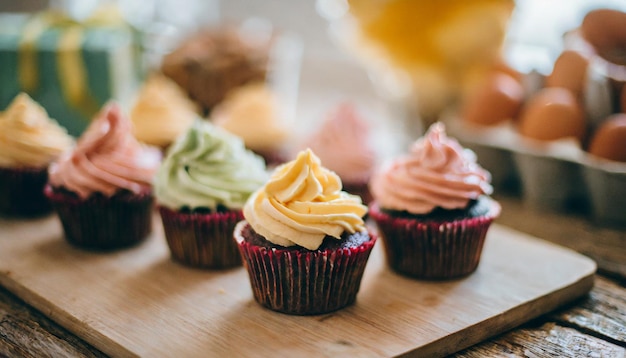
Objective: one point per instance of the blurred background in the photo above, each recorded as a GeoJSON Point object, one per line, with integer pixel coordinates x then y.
{"type": "Point", "coordinates": [403, 63]}
{"type": "Point", "coordinates": [331, 69]}
{"type": "Point", "coordinates": [535, 22]}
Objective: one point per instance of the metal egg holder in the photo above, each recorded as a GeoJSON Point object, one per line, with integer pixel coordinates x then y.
{"type": "Point", "coordinates": [556, 176]}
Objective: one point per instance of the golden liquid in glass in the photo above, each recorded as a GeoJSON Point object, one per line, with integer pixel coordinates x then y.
{"type": "Point", "coordinates": [450, 42]}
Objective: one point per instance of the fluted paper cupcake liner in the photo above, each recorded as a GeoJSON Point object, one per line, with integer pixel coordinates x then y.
{"type": "Point", "coordinates": [202, 239]}
{"type": "Point", "coordinates": [432, 250]}
{"type": "Point", "coordinates": [103, 223]}
{"type": "Point", "coordinates": [21, 192]}
{"type": "Point", "coordinates": [304, 282]}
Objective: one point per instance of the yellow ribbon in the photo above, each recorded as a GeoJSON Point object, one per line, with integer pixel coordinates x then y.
{"type": "Point", "coordinates": [71, 68]}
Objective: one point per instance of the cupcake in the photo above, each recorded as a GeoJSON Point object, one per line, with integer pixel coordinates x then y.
{"type": "Point", "coordinates": [211, 63]}
{"type": "Point", "coordinates": [29, 142]}
{"type": "Point", "coordinates": [201, 187]}
{"type": "Point", "coordinates": [304, 242]}
{"type": "Point", "coordinates": [343, 144]}
{"type": "Point", "coordinates": [161, 112]}
{"type": "Point", "coordinates": [252, 112]}
{"type": "Point", "coordinates": [432, 208]}
{"type": "Point", "coordinates": [102, 189]}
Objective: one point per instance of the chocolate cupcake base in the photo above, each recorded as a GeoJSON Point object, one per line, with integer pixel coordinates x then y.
{"type": "Point", "coordinates": [302, 282]}
{"type": "Point", "coordinates": [100, 222]}
{"type": "Point", "coordinates": [21, 192]}
{"type": "Point", "coordinates": [433, 249]}
{"type": "Point", "coordinates": [203, 240]}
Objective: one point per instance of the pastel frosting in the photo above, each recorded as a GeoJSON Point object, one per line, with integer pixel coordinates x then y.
{"type": "Point", "coordinates": [106, 159]}
{"type": "Point", "coordinates": [437, 172]}
{"type": "Point", "coordinates": [207, 167]}
{"type": "Point", "coordinates": [302, 203]}
{"type": "Point", "coordinates": [343, 144]}
{"type": "Point", "coordinates": [28, 137]}
{"type": "Point", "coordinates": [252, 113]}
{"type": "Point", "coordinates": [161, 112]}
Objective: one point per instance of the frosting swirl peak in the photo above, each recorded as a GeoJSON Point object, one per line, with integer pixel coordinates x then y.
{"type": "Point", "coordinates": [162, 112]}
{"type": "Point", "coordinates": [107, 159]}
{"type": "Point", "coordinates": [302, 204]}
{"type": "Point", "coordinates": [437, 172]}
{"type": "Point", "coordinates": [252, 113]}
{"type": "Point", "coordinates": [28, 137]}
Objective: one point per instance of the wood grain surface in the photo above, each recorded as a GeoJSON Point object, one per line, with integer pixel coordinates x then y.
{"type": "Point", "coordinates": [605, 245]}
{"type": "Point", "coordinates": [592, 326]}
{"type": "Point", "coordinates": [139, 302]}
{"type": "Point", "coordinates": [25, 332]}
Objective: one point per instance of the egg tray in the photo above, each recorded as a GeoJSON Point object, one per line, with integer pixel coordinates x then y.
{"type": "Point", "coordinates": [556, 176]}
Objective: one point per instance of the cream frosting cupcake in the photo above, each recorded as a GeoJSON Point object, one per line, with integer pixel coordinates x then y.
{"type": "Point", "coordinates": [29, 142]}
{"type": "Point", "coordinates": [253, 113]}
{"type": "Point", "coordinates": [302, 218]}
{"type": "Point", "coordinates": [432, 208]}
{"type": "Point", "coordinates": [162, 112]}
{"type": "Point", "coordinates": [201, 187]}
{"type": "Point", "coordinates": [102, 189]}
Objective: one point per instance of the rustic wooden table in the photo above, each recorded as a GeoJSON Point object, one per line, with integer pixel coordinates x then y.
{"type": "Point", "coordinates": [592, 326]}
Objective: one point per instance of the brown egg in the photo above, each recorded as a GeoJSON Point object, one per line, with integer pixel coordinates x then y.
{"type": "Point", "coordinates": [605, 29]}
{"type": "Point", "coordinates": [552, 113]}
{"type": "Point", "coordinates": [501, 66]}
{"type": "Point", "coordinates": [570, 71]}
{"type": "Point", "coordinates": [609, 140]}
{"type": "Point", "coordinates": [574, 40]}
{"type": "Point", "coordinates": [498, 98]}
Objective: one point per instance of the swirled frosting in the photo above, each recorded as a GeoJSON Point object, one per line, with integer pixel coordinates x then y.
{"type": "Point", "coordinates": [343, 145]}
{"type": "Point", "coordinates": [106, 159]}
{"type": "Point", "coordinates": [302, 203]}
{"type": "Point", "coordinates": [28, 137]}
{"type": "Point", "coordinates": [161, 112]}
{"type": "Point", "coordinates": [251, 112]}
{"type": "Point", "coordinates": [437, 172]}
{"type": "Point", "coordinates": [207, 167]}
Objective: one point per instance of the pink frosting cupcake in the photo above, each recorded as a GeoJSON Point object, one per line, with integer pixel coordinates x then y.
{"type": "Point", "coordinates": [343, 144]}
{"type": "Point", "coordinates": [102, 189]}
{"type": "Point", "coordinates": [432, 208]}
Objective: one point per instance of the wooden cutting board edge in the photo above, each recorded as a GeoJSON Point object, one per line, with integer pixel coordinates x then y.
{"type": "Point", "coordinates": [492, 327]}
{"type": "Point", "coordinates": [89, 334]}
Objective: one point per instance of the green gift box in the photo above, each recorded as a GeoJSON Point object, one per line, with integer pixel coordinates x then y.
{"type": "Point", "coordinates": [71, 68]}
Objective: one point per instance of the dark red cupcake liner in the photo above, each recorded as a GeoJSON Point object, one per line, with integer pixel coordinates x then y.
{"type": "Point", "coordinates": [432, 250]}
{"type": "Point", "coordinates": [21, 192]}
{"type": "Point", "coordinates": [100, 222]}
{"type": "Point", "coordinates": [303, 282]}
{"type": "Point", "coordinates": [203, 240]}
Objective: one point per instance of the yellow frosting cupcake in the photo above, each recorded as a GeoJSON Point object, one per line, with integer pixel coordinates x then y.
{"type": "Point", "coordinates": [304, 241]}
{"type": "Point", "coordinates": [161, 112]}
{"type": "Point", "coordinates": [29, 142]}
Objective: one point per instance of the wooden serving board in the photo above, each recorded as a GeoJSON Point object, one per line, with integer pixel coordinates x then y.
{"type": "Point", "coordinates": [139, 302]}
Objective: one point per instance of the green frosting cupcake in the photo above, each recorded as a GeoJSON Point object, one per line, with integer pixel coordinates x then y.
{"type": "Point", "coordinates": [208, 167]}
